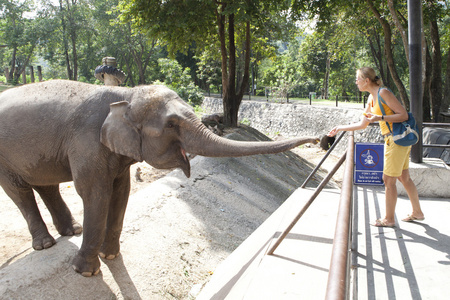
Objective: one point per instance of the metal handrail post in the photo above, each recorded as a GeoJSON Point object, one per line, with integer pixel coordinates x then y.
{"type": "Point", "coordinates": [305, 207]}
{"type": "Point", "coordinates": [337, 286]}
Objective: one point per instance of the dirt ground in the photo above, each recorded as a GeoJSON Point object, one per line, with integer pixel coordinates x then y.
{"type": "Point", "coordinates": [14, 231]}
{"type": "Point", "coordinates": [187, 253]}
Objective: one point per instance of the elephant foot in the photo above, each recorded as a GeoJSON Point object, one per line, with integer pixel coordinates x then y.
{"type": "Point", "coordinates": [84, 267]}
{"type": "Point", "coordinates": [73, 228]}
{"type": "Point", "coordinates": [109, 256]}
{"type": "Point", "coordinates": [110, 249]}
{"type": "Point", "coordinates": [42, 241]}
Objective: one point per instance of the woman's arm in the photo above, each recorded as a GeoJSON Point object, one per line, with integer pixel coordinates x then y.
{"type": "Point", "coordinates": [400, 113]}
{"type": "Point", "coordinates": [351, 127]}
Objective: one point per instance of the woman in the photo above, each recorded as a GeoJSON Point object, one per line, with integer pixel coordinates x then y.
{"type": "Point", "coordinates": [396, 158]}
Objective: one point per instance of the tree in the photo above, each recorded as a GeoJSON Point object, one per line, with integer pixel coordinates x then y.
{"type": "Point", "coordinates": [390, 36]}
{"type": "Point", "coordinates": [389, 53]}
{"type": "Point", "coordinates": [283, 74]}
{"type": "Point", "coordinates": [433, 12]}
{"type": "Point", "coordinates": [225, 25]}
{"type": "Point", "coordinates": [67, 21]}
{"type": "Point", "coordinates": [70, 21]}
{"type": "Point", "coordinates": [20, 35]}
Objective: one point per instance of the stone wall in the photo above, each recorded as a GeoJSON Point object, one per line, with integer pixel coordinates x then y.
{"type": "Point", "coordinates": [292, 120]}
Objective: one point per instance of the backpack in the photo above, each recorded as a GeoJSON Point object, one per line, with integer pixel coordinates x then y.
{"type": "Point", "coordinates": [404, 133]}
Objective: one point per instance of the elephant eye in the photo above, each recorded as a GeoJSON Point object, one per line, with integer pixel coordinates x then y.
{"type": "Point", "coordinates": [170, 124]}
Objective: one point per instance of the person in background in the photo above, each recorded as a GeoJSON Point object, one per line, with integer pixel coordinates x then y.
{"type": "Point", "coordinates": [396, 158]}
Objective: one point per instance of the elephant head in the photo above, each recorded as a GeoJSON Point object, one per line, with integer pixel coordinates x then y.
{"type": "Point", "coordinates": [157, 126]}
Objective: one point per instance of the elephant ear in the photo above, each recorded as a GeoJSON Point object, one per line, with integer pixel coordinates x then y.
{"type": "Point", "coordinates": [119, 134]}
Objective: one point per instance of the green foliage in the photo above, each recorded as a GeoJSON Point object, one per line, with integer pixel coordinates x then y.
{"type": "Point", "coordinates": [180, 81]}
{"type": "Point", "coordinates": [140, 32]}
{"type": "Point", "coordinates": [209, 69]}
{"type": "Point", "coordinates": [245, 121]}
{"type": "Point", "coordinates": [199, 111]}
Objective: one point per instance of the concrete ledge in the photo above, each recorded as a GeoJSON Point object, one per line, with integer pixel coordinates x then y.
{"type": "Point", "coordinates": [431, 178]}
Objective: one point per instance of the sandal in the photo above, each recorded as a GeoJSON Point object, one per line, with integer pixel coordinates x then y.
{"type": "Point", "coordinates": [382, 223]}
{"type": "Point", "coordinates": [410, 218]}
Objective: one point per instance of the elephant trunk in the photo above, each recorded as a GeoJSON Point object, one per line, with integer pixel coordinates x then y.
{"type": "Point", "coordinates": [204, 142]}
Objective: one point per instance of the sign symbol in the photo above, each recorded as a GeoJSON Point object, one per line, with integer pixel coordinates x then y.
{"type": "Point", "coordinates": [369, 158]}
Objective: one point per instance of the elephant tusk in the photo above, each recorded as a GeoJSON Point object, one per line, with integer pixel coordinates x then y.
{"type": "Point", "coordinates": [183, 152]}
{"type": "Point", "coordinates": [185, 165]}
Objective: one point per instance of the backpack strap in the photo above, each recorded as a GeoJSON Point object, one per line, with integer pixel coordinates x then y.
{"type": "Point", "coordinates": [381, 107]}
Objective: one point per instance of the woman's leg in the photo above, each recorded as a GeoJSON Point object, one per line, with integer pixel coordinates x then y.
{"type": "Point", "coordinates": [413, 195]}
{"type": "Point", "coordinates": [391, 198]}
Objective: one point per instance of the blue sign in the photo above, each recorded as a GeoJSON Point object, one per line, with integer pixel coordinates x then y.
{"type": "Point", "coordinates": [369, 162]}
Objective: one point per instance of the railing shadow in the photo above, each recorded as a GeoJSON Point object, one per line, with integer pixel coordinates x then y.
{"type": "Point", "coordinates": [384, 265]}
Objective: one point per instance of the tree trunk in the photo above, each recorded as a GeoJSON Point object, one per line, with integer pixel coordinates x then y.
{"type": "Point", "coordinates": [231, 99]}
{"type": "Point", "coordinates": [400, 28]}
{"type": "Point", "coordinates": [71, 7]}
{"type": "Point", "coordinates": [231, 112]}
{"type": "Point", "coordinates": [73, 37]}
{"type": "Point", "coordinates": [378, 56]}
{"type": "Point", "coordinates": [138, 62]}
{"type": "Point", "coordinates": [31, 74]}
{"type": "Point", "coordinates": [65, 43]}
{"type": "Point", "coordinates": [13, 58]}
{"type": "Point", "coordinates": [13, 64]}
{"type": "Point", "coordinates": [245, 79]}
{"type": "Point", "coordinates": [327, 76]}
{"type": "Point", "coordinates": [446, 101]}
{"type": "Point", "coordinates": [20, 70]}
{"type": "Point", "coordinates": [389, 55]}
{"type": "Point", "coordinates": [224, 67]}
{"type": "Point", "coordinates": [230, 106]}
{"type": "Point", "coordinates": [129, 71]}
{"type": "Point", "coordinates": [436, 80]}
{"type": "Point", "coordinates": [426, 107]}
{"type": "Point", "coordinates": [425, 84]}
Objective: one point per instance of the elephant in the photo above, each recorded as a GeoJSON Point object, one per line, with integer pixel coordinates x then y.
{"type": "Point", "coordinates": [60, 130]}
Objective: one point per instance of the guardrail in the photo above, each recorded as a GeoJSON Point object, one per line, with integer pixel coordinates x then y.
{"type": "Point", "coordinates": [338, 279]}
{"type": "Point", "coordinates": [339, 273]}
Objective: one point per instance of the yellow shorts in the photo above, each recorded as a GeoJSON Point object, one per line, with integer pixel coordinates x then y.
{"type": "Point", "coordinates": [396, 158]}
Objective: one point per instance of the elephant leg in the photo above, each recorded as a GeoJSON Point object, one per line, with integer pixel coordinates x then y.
{"type": "Point", "coordinates": [121, 191]}
{"type": "Point", "coordinates": [62, 217]}
{"type": "Point", "coordinates": [96, 195]}
{"type": "Point", "coordinates": [23, 197]}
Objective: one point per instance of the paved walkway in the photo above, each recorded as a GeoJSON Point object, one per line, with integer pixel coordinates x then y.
{"type": "Point", "coordinates": [410, 261]}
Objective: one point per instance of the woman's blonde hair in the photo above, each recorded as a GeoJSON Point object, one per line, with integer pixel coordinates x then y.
{"type": "Point", "coordinates": [367, 72]}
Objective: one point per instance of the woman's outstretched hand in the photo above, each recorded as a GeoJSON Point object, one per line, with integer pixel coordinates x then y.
{"type": "Point", "coordinates": [333, 131]}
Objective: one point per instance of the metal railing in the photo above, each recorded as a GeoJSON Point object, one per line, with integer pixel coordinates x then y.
{"type": "Point", "coordinates": [306, 206]}
{"type": "Point", "coordinates": [338, 279]}
{"type": "Point", "coordinates": [339, 273]}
